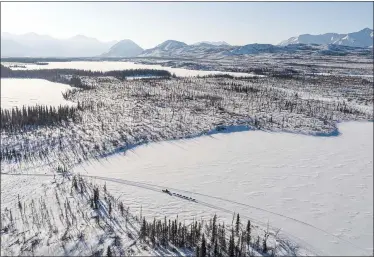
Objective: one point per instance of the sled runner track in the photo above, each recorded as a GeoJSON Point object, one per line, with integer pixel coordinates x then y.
{"type": "Point", "coordinates": [237, 203]}
{"type": "Point", "coordinates": [152, 187]}
{"type": "Point", "coordinates": [159, 189]}
{"type": "Point", "coordinates": [296, 239]}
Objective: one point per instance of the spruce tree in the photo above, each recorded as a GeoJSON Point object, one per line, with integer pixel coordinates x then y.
{"type": "Point", "coordinates": [108, 252]}
{"type": "Point", "coordinates": [203, 247]}
{"type": "Point", "coordinates": [215, 249]}
{"type": "Point", "coordinates": [232, 244]}
{"type": "Point", "coordinates": [248, 233]}
{"type": "Point", "coordinates": [197, 251]}
{"type": "Point", "coordinates": [237, 224]}
{"type": "Point", "coordinates": [143, 229]}
{"type": "Point", "coordinates": [214, 229]}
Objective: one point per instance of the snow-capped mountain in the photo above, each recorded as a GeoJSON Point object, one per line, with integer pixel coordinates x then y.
{"type": "Point", "coordinates": [362, 38]}
{"type": "Point", "coordinates": [35, 45]}
{"type": "Point", "coordinates": [124, 48]}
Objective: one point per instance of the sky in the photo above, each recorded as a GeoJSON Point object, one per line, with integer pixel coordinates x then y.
{"type": "Point", "coordinates": [149, 24]}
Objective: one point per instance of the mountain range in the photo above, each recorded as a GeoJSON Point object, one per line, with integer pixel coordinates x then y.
{"type": "Point", "coordinates": [34, 45]}
{"type": "Point", "coordinates": [362, 38]}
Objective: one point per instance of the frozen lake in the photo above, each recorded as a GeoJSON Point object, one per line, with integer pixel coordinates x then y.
{"type": "Point", "coordinates": [317, 190]}
{"type": "Point", "coordinates": [110, 65]}
{"type": "Point", "coordinates": [19, 92]}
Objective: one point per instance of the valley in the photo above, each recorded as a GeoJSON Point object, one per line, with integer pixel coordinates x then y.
{"type": "Point", "coordinates": [204, 129]}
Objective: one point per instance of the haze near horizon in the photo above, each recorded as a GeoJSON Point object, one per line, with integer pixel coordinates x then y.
{"type": "Point", "coordinates": [149, 24]}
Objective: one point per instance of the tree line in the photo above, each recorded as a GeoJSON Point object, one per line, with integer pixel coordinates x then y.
{"type": "Point", "coordinates": [56, 75]}
{"type": "Point", "coordinates": [205, 238]}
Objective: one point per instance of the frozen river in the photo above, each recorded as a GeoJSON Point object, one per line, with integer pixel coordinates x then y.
{"type": "Point", "coordinates": [317, 190]}
{"type": "Point", "coordinates": [111, 65]}
{"type": "Point", "coordinates": [19, 92]}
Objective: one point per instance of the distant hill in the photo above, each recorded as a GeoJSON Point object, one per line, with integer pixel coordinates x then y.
{"type": "Point", "coordinates": [124, 48]}
{"type": "Point", "coordinates": [362, 38]}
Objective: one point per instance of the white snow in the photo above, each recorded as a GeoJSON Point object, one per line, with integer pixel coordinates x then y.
{"type": "Point", "coordinates": [325, 182]}
{"type": "Point", "coordinates": [19, 92]}
{"type": "Point", "coordinates": [110, 65]}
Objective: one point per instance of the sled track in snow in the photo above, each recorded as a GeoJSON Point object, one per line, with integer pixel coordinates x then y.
{"type": "Point", "coordinates": [158, 188]}
{"type": "Point", "coordinates": [149, 186]}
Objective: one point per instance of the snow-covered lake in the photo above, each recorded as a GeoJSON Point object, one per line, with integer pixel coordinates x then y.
{"type": "Point", "coordinates": [323, 186]}
{"type": "Point", "coordinates": [110, 65]}
{"type": "Point", "coordinates": [19, 92]}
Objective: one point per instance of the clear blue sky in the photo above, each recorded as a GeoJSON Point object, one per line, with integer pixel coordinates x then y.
{"type": "Point", "coordinates": [149, 24]}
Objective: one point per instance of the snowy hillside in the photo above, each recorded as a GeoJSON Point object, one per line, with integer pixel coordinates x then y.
{"type": "Point", "coordinates": [124, 48]}
{"type": "Point", "coordinates": [362, 38]}
{"type": "Point", "coordinates": [255, 49]}
{"type": "Point", "coordinates": [170, 45]}
{"type": "Point", "coordinates": [164, 48]}
{"type": "Point", "coordinates": [213, 43]}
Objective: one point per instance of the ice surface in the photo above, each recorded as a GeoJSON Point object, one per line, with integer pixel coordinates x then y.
{"type": "Point", "coordinates": [19, 92]}
{"type": "Point", "coordinates": [108, 66]}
